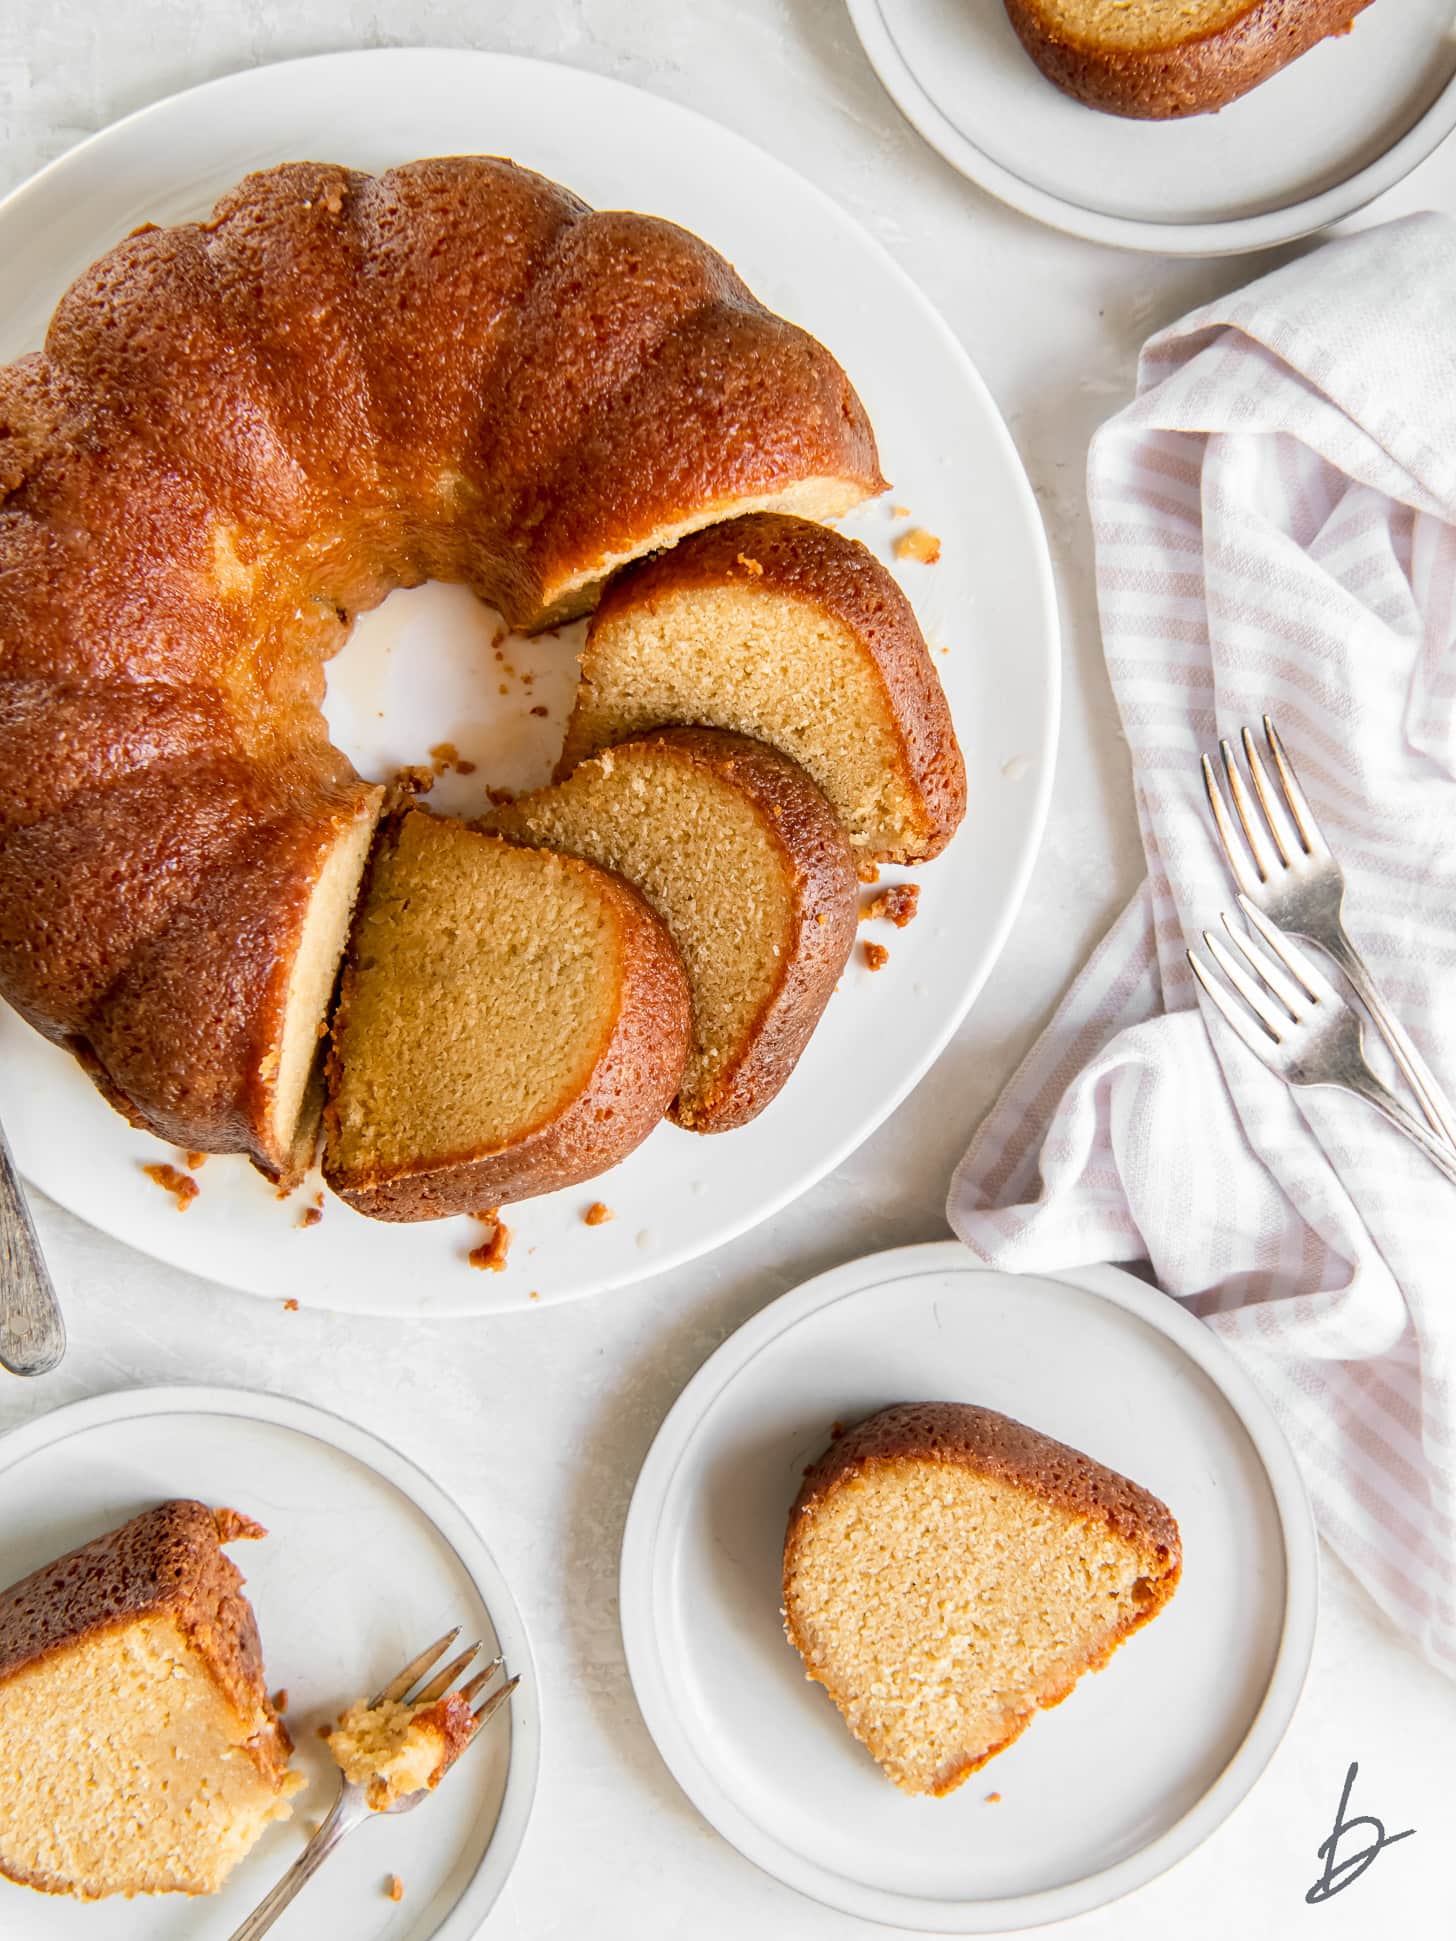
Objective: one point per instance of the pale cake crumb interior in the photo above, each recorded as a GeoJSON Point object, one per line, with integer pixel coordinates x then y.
{"type": "Point", "coordinates": [941, 1607]}
{"type": "Point", "coordinates": [136, 1778]}
{"type": "Point", "coordinates": [481, 992]}
{"type": "Point", "coordinates": [700, 854]}
{"type": "Point", "coordinates": [768, 665]}
{"type": "Point", "coordinates": [1139, 24]}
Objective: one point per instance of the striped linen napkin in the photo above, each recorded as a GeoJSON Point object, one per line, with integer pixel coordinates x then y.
{"type": "Point", "coordinates": [1275, 526]}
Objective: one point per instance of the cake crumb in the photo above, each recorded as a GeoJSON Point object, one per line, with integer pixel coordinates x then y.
{"type": "Point", "coordinates": [993, 1799]}
{"type": "Point", "coordinates": [918, 544]}
{"type": "Point", "coordinates": [183, 1188]}
{"type": "Point", "coordinates": [541, 713]}
{"type": "Point", "coordinates": [869, 872]}
{"type": "Point", "coordinates": [598, 1214]}
{"type": "Point", "coordinates": [406, 783]}
{"type": "Point", "coordinates": [898, 905]}
{"type": "Point", "coordinates": [492, 1255]}
{"type": "Point", "coordinates": [446, 759]}
{"type": "Point", "coordinates": [488, 1215]}
{"type": "Point", "coordinates": [535, 1295]}
{"type": "Point", "coordinates": [899, 512]}
{"type": "Point", "coordinates": [195, 1161]}
{"type": "Point", "coordinates": [394, 1888]}
{"type": "Point", "coordinates": [290, 1306]}
{"type": "Point", "coordinates": [325, 1731]}
{"type": "Point", "coordinates": [280, 1700]}
{"type": "Point", "coordinates": [310, 1216]}
{"type": "Point", "coordinates": [752, 567]}
{"type": "Point", "coordinates": [499, 798]}
{"type": "Point", "coordinates": [876, 956]}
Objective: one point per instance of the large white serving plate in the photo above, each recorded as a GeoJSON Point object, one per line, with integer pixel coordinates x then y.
{"type": "Point", "coordinates": [1318, 141]}
{"type": "Point", "coordinates": [365, 1562]}
{"type": "Point", "coordinates": [989, 603]}
{"type": "Point", "coordinates": [1145, 1758]}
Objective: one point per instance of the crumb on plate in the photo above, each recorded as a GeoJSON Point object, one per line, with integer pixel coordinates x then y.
{"type": "Point", "coordinates": [897, 904]}
{"type": "Point", "coordinates": [394, 1888]}
{"type": "Point", "coordinates": [492, 1255]}
{"type": "Point", "coordinates": [918, 544]}
{"type": "Point", "coordinates": [876, 956]}
{"type": "Point", "coordinates": [598, 1214]}
{"type": "Point", "coordinates": [183, 1188]}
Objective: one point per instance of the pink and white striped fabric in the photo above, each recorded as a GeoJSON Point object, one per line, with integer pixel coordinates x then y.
{"type": "Point", "coordinates": [1275, 523]}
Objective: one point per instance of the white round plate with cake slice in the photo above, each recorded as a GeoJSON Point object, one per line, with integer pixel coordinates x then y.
{"type": "Point", "coordinates": [1064, 1820]}
{"type": "Point", "coordinates": [366, 1562]}
{"type": "Point", "coordinates": [423, 669]}
{"type": "Point", "coordinates": [1316, 142]}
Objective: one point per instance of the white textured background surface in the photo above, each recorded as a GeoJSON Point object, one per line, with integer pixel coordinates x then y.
{"type": "Point", "coordinates": [538, 1422]}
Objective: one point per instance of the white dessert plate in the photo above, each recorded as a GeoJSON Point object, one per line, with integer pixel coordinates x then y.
{"type": "Point", "coordinates": [1313, 144]}
{"type": "Point", "coordinates": [423, 669]}
{"type": "Point", "coordinates": [365, 1562]}
{"type": "Point", "coordinates": [1100, 1794]}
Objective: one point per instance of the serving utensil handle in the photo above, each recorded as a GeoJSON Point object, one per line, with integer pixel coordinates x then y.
{"type": "Point", "coordinates": [32, 1333]}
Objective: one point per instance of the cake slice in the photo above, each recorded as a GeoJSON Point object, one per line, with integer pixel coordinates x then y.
{"type": "Point", "coordinates": [510, 1021]}
{"type": "Point", "coordinates": [392, 1749]}
{"type": "Point", "coordinates": [742, 858]}
{"type": "Point", "coordinates": [948, 1571]}
{"type": "Point", "coordinates": [1160, 59]}
{"type": "Point", "coordinates": [140, 1752]}
{"type": "Point", "coordinates": [781, 629]}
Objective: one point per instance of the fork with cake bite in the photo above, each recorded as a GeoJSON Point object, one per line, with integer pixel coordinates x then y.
{"type": "Point", "coordinates": [392, 1753]}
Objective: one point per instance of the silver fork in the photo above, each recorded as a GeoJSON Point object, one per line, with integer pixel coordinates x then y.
{"type": "Point", "coordinates": [1298, 1023]}
{"type": "Point", "coordinates": [1284, 867]}
{"type": "Point", "coordinates": [352, 1807]}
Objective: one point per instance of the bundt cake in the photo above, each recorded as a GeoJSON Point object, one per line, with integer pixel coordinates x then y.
{"type": "Point", "coordinates": [140, 1751]}
{"type": "Point", "coordinates": [947, 1571]}
{"type": "Point", "coordinates": [392, 1749]}
{"type": "Point", "coordinates": [1160, 59]}
{"type": "Point", "coordinates": [510, 1021]}
{"type": "Point", "coordinates": [742, 858]}
{"type": "Point", "coordinates": [781, 629]}
{"type": "Point", "coordinates": [239, 434]}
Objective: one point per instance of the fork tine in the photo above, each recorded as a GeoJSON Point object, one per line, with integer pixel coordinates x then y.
{"type": "Point", "coordinates": [1237, 1020]}
{"type": "Point", "coordinates": [1234, 851]}
{"type": "Point", "coordinates": [1252, 827]}
{"type": "Point", "coordinates": [1304, 822]}
{"type": "Point", "coordinates": [417, 1667]}
{"type": "Point", "coordinates": [493, 1704]}
{"type": "Point", "coordinates": [482, 1678]}
{"type": "Point", "coordinates": [1290, 955]}
{"type": "Point", "coordinates": [1276, 1023]}
{"type": "Point", "coordinates": [443, 1680]}
{"type": "Point", "coordinates": [1285, 840]}
{"type": "Point", "coordinates": [1294, 1001]}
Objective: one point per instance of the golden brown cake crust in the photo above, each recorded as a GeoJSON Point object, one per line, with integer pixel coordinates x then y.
{"type": "Point", "coordinates": [631, 1084]}
{"type": "Point", "coordinates": [1000, 1448]}
{"type": "Point", "coordinates": [1003, 1449]}
{"type": "Point", "coordinates": [520, 393]}
{"type": "Point", "coordinates": [167, 1561]}
{"type": "Point", "coordinates": [819, 868]}
{"type": "Point", "coordinates": [1198, 75]}
{"type": "Point", "coordinates": [843, 579]}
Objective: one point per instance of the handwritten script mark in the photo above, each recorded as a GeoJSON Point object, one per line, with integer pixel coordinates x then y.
{"type": "Point", "coordinates": [1337, 1876]}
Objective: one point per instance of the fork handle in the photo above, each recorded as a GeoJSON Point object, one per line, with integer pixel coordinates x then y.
{"type": "Point", "coordinates": [1432, 1100]}
{"type": "Point", "coordinates": [1370, 1088]}
{"type": "Point", "coordinates": [299, 1874]}
{"type": "Point", "coordinates": [32, 1333]}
